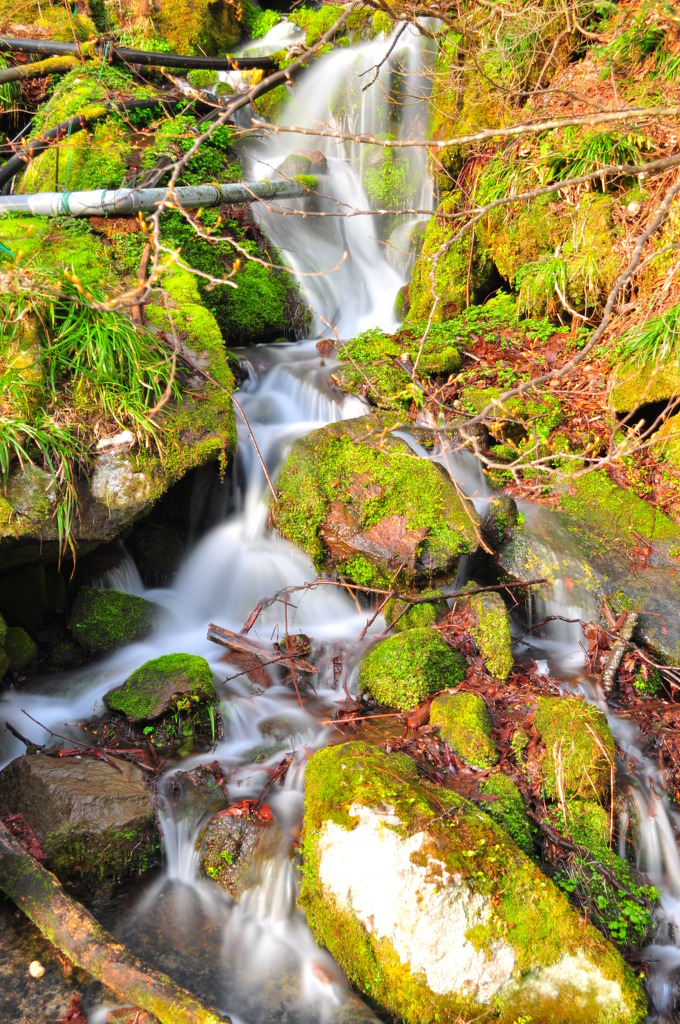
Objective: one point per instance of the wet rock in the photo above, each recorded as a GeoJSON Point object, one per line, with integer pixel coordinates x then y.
{"type": "Point", "coordinates": [174, 692]}
{"type": "Point", "coordinates": [499, 520]}
{"type": "Point", "coordinates": [119, 487]}
{"type": "Point", "coordinates": [20, 649]}
{"type": "Point", "coordinates": [157, 687]}
{"type": "Point", "coordinates": [103, 619]}
{"type": "Point", "coordinates": [579, 748]}
{"type": "Point", "coordinates": [95, 820]}
{"type": "Point", "coordinates": [507, 810]}
{"type": "Point", "coordinates": [403, 670]}
{"type": "Point", "coordinates": [433, 910]}
{"type": "Point", "coordinates": [492, 633]}
{"type": "Point", "coordinates": [463, 722]}
{"type": "Point", "coordinates": [158, 551]}
{"type": "Point", "coordinates": [313, 162]}
{"type": "Point", "coordinates": [360, 502]}
{"type": "Point", "coordinates": [233, 850]}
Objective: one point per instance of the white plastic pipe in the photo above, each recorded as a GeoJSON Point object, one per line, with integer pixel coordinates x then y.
{"type": "Point", "coordinates": [125, 201]}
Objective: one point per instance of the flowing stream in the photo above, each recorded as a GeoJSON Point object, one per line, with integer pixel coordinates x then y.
{"type": "Point", "coordinates": [256, 960]}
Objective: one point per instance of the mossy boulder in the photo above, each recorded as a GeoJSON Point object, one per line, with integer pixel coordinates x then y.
{"type": "Point", "coordinates": [463, 722]}
{"type": "Point", "coordinates": [492, 633]}
{"type": "Point", "coordinates": [435, 913]}
{"type": "Point", "coordinates": [160, 684]}
{"type": "Point", "coordinates": [403, 670]}
{"type": "Point", "coordinates": [95, 820]}
{"type": "Point", "coordinates": [362, 503]}
{"type": "Point", "coordinates": [400, 614]}
{"type": "Point", "coordinates": [579, 749]}
{"type": "Point", "coordinates": [635, 384]}
{"type": "Point", "coordinates": [103, 619]}
{"type": "Point", "coordinates": [507, 809]}
{"type": "Point", "coordinates": [212, 27]}
{"type": "Point", "coordinates": [20, 648]}
{"type": "Point", "coordinates": [45, 21]}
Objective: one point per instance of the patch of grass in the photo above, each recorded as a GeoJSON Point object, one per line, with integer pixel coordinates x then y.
{"type": "Point", "coordinates": [655, 341]}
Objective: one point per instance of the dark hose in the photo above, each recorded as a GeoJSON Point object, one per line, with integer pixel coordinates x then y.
{"type": "Point", "coordinates": [124, 55]}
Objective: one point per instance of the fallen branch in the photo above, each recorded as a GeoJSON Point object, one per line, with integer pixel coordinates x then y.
{"type": "Point", "coordinates": [253, 656]}
{"type": "Point", "coordinates": [76, 933]}
{"type": "Point", "coordinates": [618, 650]}
{"type": "Point", "coordinates": [39, 69]}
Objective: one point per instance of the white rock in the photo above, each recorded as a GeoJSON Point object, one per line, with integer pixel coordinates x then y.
{"type": "Point", "coordinates": [115, 483]}
{"type": "Point", "coordinates": [36, 969]}
{"type": "Point", "coordinates": [125, 439]}
{"type": "Point", "coordinates": [634, 208]}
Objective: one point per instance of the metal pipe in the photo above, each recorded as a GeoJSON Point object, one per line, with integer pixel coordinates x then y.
{"type": "Point", "coordinates": [125, 55]}
{"type": "Point", "coordinates": [127, 201]}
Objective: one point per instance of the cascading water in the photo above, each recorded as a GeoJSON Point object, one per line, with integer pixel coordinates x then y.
{"type": "Point", "coordinates": [257, 960]}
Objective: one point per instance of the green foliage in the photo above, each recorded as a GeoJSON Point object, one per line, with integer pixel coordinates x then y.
{"type": "Point", "coordinates": [508, 810]}
{"type": "Point", "coordinates": [403, 670]}
{"type": "Point", "coordinates": [388, 181]}
{"type": "Point", "coordinates": [202, 78]}
{"type": "Point", "coordinates": [261, 22]}
{"type": "Point", "coordinates": [594, 150]}
{"type": "Point", "coordinates": [103, 619]}
{"type": "Point", "coordinates": [464, 723]}
{"type": "Point", "coordinates": [215, 159]}
{"type": "Point", "coordinates": [655, 341]}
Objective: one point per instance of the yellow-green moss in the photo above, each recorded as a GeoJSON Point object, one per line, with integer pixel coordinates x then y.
{"type": "Point", "coordinates": [143, 695]}
{"type": "Point", "coordinates": [579, 748]}
{"type": "Point", "coordinates": [464, 723]}
{"type": "Point", "coordinates": [492, 633]}
{"type": "Point", "coordinates": [20, 648]}
{"type": "Point", "coordinates": [401, 615]}
{"type": "Point", "coordinates": [508, 810]}
{"type": "Point", "coordinates": [527, 910]}
{"type": "Point", "coordinates": [404, 669]}
{"type": "Point", "coordinates": [610, 517]}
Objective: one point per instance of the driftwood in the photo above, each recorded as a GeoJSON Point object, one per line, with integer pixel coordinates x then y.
{"type": "Point", "coordinates": [76, 933]}
{"type": "Point", "coordinates": [253, 656]}
{"type": "Point", "coordinates": [618, 650]}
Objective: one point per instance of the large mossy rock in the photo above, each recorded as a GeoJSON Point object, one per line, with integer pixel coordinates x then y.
{"type": "Point", "coordinates": [579, 749]}
{"type": "Point", "coordinates": [212, 27]}
{"type": "Point", "coordinates": [403, 670]}
{"type": "Point", "coordinates": [156, 687]}
{"type": "Point", "coordinates": [463, 722]}
{"type": "Point", "coordinates": [636, 384]}
{"type": "Point", "coordinates": [103, 619]}
{"type": "Point", "coordinates": [95, 820]}
{"type": "Point", "coordinates": [433, 911]}
{"type": "Point", "coordinates": [364, 504]}
{"type": "Point", "coordinates": [597, 532]}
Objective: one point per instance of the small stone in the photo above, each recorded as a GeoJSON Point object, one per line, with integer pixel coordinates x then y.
{"type": "Point", "coordinates": [36, 969]}
{"type": "Point", "coordinates": [634, 208]}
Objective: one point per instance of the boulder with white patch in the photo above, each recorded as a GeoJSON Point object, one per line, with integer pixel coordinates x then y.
{"type": "Point", "coordinates": [435, 914]}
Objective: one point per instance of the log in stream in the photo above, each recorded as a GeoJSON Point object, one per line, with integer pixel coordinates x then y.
{"type": "Point", "coordinates": [75, 932]}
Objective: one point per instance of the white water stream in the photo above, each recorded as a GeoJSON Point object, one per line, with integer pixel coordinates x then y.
{"type": "Point", "coordinates": [257, 960]}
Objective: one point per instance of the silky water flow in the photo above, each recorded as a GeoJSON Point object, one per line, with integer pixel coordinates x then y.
{"type": "Point", "coordinates": [256, 960]}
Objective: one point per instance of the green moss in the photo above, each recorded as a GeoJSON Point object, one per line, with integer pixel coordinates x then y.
{"type": "Point", "coordinates": [161, 684]}
{"type": "Point", "coordinates": [201, 26]}
{"type": "Point", "coordinates": [492, 633]}
{"type": "Point", "coordinates": [202, 78]}
{"type": "Point", "coordinates": [637, 384]}
{"type": "Point", "coordinates": [508, 810]}
{"type": "Point", "coordinates": [519, 744]}
{"type": "Point", "coordinates": [388, 179]}
{"type": "Point", "coordinates": [3, 631]}
{"type": "Point", "coordinates": [464, 723]}
{"type": "Point", "coordinates": [103, 619]}
{"type": "Point", "coordinates": [611, 517]}
{"type": "Point", "coordinates": [402, 670]}
{"type": "Point", "coordinates": [526, 909]}
{"type": "Point", "coordinates": [579, 748]}
{"type": "Point", "coordinates": [376, 479]}
{"type": "Point", "coordinates": [415, 616]}
{"type": "Point", "coordinates": [270, 104]}
{"type": "Point", "coordinates": [104, 858]}
{"type": "Point", "coordinates": [451, 272]}
{"type": "Point", "coordinates": [20, 648]}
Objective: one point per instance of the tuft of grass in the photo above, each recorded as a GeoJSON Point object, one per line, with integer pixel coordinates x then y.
{"type": "Point", "coordinates": [655, 342]}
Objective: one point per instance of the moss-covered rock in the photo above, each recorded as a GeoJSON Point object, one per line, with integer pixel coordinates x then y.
{"type": "Point", "coordinates": [95, 820]}
{"type": "Point", "coordinates": [579, 749]}
{"type": "Point", "coordinates": [435, 913]}
{"type": "Point", "coordinates": [463, 722]}
{"type": "Point", "coordinates": [405, 669]}
{"type": "Point", "coordinates": [46, 21]}
{"type": "Point", "coordinates": [492, 633]}
{"type": "Point", "coordinates": [161, 684]}
{"type": "Point", "coordinates": [364, 504]}
{"type": "Point", "coordinates": [636, 384]}
{"type": "Point", "coordinates": [20, 648]}
{"type": "Point", "coordinates": [103, 619]}
{"type": "Point", "coordinates": [401, 615]}
{"type": "Point", "coordinates": [213, 27]}
{"type": "Point", "coordinates": [507, 810]}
